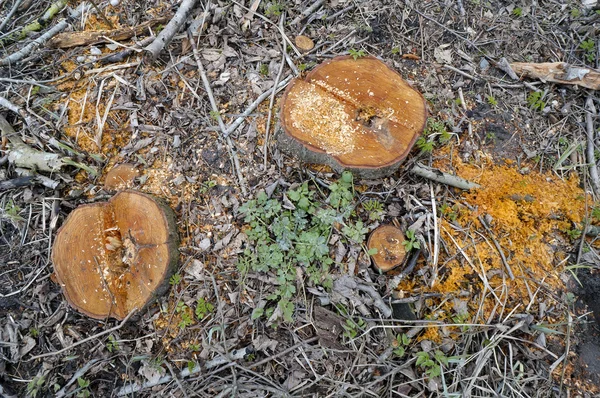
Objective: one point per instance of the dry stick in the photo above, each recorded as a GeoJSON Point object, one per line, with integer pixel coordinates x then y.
{"type": "Point", "coordinates": [307, 12]}
{"type": "Point", "coordinates": [498, 247]}
{"type": "Point", "coordinates": [272, 101]}
{"type": "Point", "coordinates": [218, 361]}
{"type": "Point", "coordinates": [166, 35]}
{"type": "Point", "coordinates": [34, 45]}
{"type": "Point", "coordinates": [233, 126]}
{"type": "Point", "coordinates": [87, 339]}
{"type": "Point", "coordinates": [10, 14]}
{"type": "Point", "coordinates": [436, 238]}
{"type": "Point", "coordinates": [213, 104]}
{"type": "Point", "coordinates": [444, 178]}
{"type": "Point", "coordinates": [591, 159]}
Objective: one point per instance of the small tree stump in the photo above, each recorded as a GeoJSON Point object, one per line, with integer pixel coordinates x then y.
{"type": "Point", "coordinates": [121, 177]}
{"type": "Point", "coordinates": [113, 257]}
{"type": "Point", "coordinates": [352, 114]}
{"type": "Point", "coordinates": [389, 242]}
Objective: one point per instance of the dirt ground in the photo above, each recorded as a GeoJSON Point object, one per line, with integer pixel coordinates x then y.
{"type": "Point", "coordinates": [274, 292]}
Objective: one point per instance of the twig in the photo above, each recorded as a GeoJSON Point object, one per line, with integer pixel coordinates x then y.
{"type": "Point", "coordinates": [10, 14]}
{"type": "Point", "coordinates": [218, 361]}
{"type": "Point", "coordinates": [272, 101]}
{"type": "Point", "coordinates": [87, 339]}
{"type": "Point", "coordinates": [436, 238]}
{"type": "Point", "coordinates": [233, 126]}
{"type": "Point", "coordinates": [444, 178]}
{"type": "Point", "coordinates": [460, 72]}
{"type": "Point", "coordinates": [34, 45]}
{"type": "Point", "coordinates": [589, 150]}
{"type": "Point", "coordinates": [213, 104]}
{"type": "Point", "coordinates": [307, 12]}
{"type": "Point", "coordinates": [166, 35]}
{"type": "Point", "coordinates": [498, 247]}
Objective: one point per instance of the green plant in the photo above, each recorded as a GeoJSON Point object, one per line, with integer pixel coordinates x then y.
{"type": "Point", "coordinates": [573, 268]}
{"type": "Point", "coordinates": [517, 12]}
{"type": "Point", "coordinates": [425, 145]}
{"type": "Point", "coordinates": [352, 328]}
{"type": "Point", "coordinates": [575, 12]}
{"type": "Point", "coordinates": [203, 308]}
{"type": "Point", "coordinates": [264, 69]}
{"type": "Point", "coordinates": [431, 365]}
{"type": "Point", "coordinates": [395, 50]}
{"type": "Point", "coordinates": [401, 343]}
{"type": "Point", "coordinates": [175, 279]}
{"type": "Point", "coordinates": [589, 46]}
{"type": "Point", "coordinates": [574, 233]}
{"type": "Point", "coordinates": [491, 100]}
{"type": "Point", "coordinates": [535, 101]}
{"type": "Point", "coordinates": [274, 9]}
{"type": "Point", "coordinates": [356, 54]}
{"type": "Point", "coordinates": [35, 386]}
{"type": "Point", "coordinates": [596, 212]}
{"type": "Point", "coordinates": [83, 385]}
{"type": "Point", "coordinates": [285, 238]}
{"type": "Point", "coordinates": [215, 115]}
{"type": "Point", "coordinates": [206, 186]}
{"type": "Point", "coordinates": [113, 344]}
{"type": "Point", "coordinates": [411, 241]}
{"type": "Point", "coordinates": [33, 332]}
{"type": "Point", "coordinates": [11, 211]}
{"type": "Point", "coordinates": [490, 137]}
{"type": "Point", "coordinates": [374, 208]}
{"type": "Point", "coordinates": [305, 66]}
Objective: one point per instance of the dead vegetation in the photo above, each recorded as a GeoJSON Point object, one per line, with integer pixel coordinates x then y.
{"type": "Point", "coordinates": [274, 292]}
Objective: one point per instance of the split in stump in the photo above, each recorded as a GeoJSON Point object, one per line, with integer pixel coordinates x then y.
{"type": "Point", "coordinates": [113, 257]}
{"type": "Point", "coordinates": [389, 242]}
{"type": "Point", "coordinates": [352, 114]}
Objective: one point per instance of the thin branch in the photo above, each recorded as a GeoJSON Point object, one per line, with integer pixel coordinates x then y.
{"type": "Point", "coordinates": [591, 156]}
{"type": "Point", "coordinates": [10, 14]}
{"type": "Point", "coordinates": [87, 339]}
{"type": "Point", "coordinates": [444, 178]}
{"type": "Point", "coordinates": [166, 35]}
{"type": "Point", "coordinates": [213, 104]}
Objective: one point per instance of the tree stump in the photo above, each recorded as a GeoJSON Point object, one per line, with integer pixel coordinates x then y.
{"type": "Point", "coordinates": [352, 114]}
{"type": "Point", "coordinates": [113, 257]}
{"type": "Point", "coordinates": [389, 242]}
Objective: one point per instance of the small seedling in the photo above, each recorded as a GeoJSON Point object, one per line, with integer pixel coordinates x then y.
{"type": "Point", "coordinates": [83, 385]}
{"type": "Point", "coordinates": [534, 100]}
{"type": "Point", "coordinates": [401, 343]}
{"type": "Point", "coordinates": [113, 344]}
{"type": "Point", "coordinates": [424, 145]}
{"type": "Point", "coordinates": [374, 208]}
{"type": "Point", "coordinates": [431, 366]}
{"type": "Point", "coordinates": [352, 328]}
{"type": "Point", "coordinates": [35, 386]}
{"type": "Point", "coordinates": [491, 100]}
{"type": "Point", "coordinates": [575, 12]}
{"type": "Point", "coordinates": [395, 50]}
{"type": "Point", "coordinates": [411, 241]}
{"type": "Point", "coordinates": [517, 12]}
{"type": "Point", "coordinates": [264, 69]}
{"type": "Point", "coordinates": [274, 9]}
{"type": "Point", "coordinates": [203, 308]}
{"type": "Point", "coordinates": [356, 54]}
{"type": "Point", "coordinates": [175, 279]}
{"type": "Point", "coordinates": [215, 115]}
{"type": "Point", "coordinates": [589, 46]}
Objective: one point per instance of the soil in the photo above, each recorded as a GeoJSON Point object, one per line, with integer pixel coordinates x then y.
{"type": "Point", "coordinates": [505, 284]}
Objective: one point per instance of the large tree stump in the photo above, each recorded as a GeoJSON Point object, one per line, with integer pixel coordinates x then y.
{"type": "Point", "coordinates": [113, 257]}
{"type": "Point", "coordinates": [352, 114]}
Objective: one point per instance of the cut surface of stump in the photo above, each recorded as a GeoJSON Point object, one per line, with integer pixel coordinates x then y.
{"type": "Point", "coordinates": [113, 257]}
{"type": "Point", "coordinates": [389, 242]}
{"type": "Point", "coordinates": [352, 114]}
{"type": "Point", "coordinates": [121, 177]}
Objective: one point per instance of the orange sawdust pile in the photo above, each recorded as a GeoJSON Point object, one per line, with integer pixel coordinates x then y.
{"type": "Point", "coordinates": [528, 215]}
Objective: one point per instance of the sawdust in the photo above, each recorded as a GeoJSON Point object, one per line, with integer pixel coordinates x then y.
{"type": "Point", "coordinates": [529, 215]}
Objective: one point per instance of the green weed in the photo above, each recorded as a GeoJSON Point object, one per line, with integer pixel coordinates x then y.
{"type": "Point", "coordinates": [203, 308]}
{"type": "Point", "coordinates": [411, 241]}
{"type": "Point", "coordinates": [535, 101]}
{"type": "Point", "coordinates": [356, 54]}
{"type": "Point", "coordinates": [431, 365]}
{"type": "Point", "coordinates": [283, 239]}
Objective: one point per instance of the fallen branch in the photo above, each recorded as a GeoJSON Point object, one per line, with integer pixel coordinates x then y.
{"type": "Point", "coordinates": [218, 361]}
{"type": "Point", "coordinates": [559, 72]}
{"type": "Point", "coordinates": [443, 178]}
{"type": "Point", "coordinates": [12, 12]}
{"type": "Point", "coordinates": [41, 22]}
{"type": "Point", "coordinates": [76, 39]}
{"type": "Point", "coordinates": [314, 7]}
{"type": "Point", "coordinates": [166, 35]}
{"type": "Point", "coordinates": [34, 45]}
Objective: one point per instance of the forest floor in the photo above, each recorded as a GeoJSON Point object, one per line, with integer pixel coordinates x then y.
{"type": "Point", "coordinates": [504, 297]}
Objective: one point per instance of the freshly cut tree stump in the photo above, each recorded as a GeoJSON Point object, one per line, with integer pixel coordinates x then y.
{"type": "Point", "coordinates": [113, 257]}
{"type": "Point", "coordinates": [389, 242]}
{"type": "Point", "coordinates": [352, 114]}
